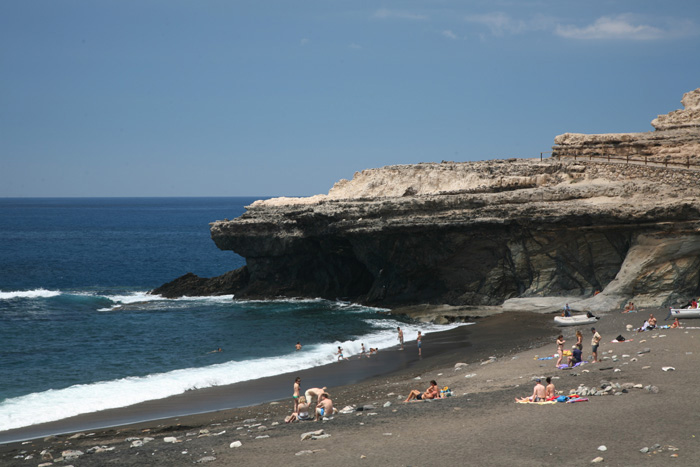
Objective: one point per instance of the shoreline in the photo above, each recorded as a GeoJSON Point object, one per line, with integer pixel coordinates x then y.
{"type": "Point", "coordinates": [480, 422]}
{"type": "Point", "coordinates": [477, 337]}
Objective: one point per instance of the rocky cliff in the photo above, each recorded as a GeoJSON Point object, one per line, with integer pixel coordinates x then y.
{"type": "Point", "coordinates": [515, 234]}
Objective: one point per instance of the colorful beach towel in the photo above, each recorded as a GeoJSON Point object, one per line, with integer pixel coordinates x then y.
{"type": "Point", "coordinates": [536, 403]}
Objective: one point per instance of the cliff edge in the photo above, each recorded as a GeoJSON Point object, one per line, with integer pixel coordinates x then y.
{"type": "Point", "coordinates": [520, 234]}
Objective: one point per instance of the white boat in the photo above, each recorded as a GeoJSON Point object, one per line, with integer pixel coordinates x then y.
{"type": "Point", "coordinates": [684, 313]}
{"type": "Point", "coordinates": [575, 320]}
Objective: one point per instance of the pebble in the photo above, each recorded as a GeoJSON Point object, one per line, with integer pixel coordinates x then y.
{"type": "Point", "coordinates": [206, 459]}
{"type": "Point", "coordinates": [71, 454]}
{"type": "Point", "coordinates": [235, 444]}
{"type": "Point", "coordinates": [644, 450]}
{"type": "Point", "coordinates": [137, 443]}
{"type": "Point", "coordinates": [668, 368]}
{"type": "Point", "coordinates": [170, 439]}
{"type": "Point", "coordinates": [597, 460]}
{"type": "Point", "coordinates": [387, 404]}
{"type": "Point", "coordinates": [262, 436]}
{"type": "Point", "coordinates": [470, 375]}
{"type": "Point", "coordinates": [603, 448]}
{"type": "Point", "coordinates": [304, 453]}
{"type": "Point", "coordinates": [417, 378]}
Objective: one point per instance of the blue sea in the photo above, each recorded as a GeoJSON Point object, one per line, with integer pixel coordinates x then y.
{"type": "Point", "coordinates": [80, 333]}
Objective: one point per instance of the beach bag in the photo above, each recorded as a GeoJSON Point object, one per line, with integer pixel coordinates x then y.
{"type": "Point", "coordinates": [562, 399]}
{"type": "Point", "coordinates": [620, 338]}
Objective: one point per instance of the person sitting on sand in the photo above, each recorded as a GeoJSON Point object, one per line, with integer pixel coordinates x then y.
{"type": "Point", "coordinates": [549, 391]}
{"type": "Point", "coordinates": [314, 393]}
{"type": "Point", "coordinates": [675, 324]}
{"type": "Point", "coordinates": [373, 350]}
{"type": "Point", "coordinates": [324, 408]}
{"type": "Point", "coordinates": [652, 321]}
{"type": "Point", "coordinates": [575, 356]}
{"type": "Point", "coordinates": [433, 392]}
{"type": "Point", "coordinates": [538, 393]}
{"type": "Point", "coordinates": [302, 412]}
{"type": "Point", "coordinates": [560, 349]}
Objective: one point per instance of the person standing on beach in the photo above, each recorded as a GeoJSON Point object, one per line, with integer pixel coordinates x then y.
{"type": "Point", "coordinates": [595, 341]}
{"type": "Point", "coordinates": [400, 337]}
{"type": "Point", "coordinates": [579, 340]}
{"type": "Point", "coordinates": [295, 395]}
{"type": "Point", "coordinates": [419, 341]}
{"type": "Point", "coordinates": [560, 349]}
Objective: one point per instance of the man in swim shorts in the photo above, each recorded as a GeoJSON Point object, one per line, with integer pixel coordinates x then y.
{"type": "Point", "coordinates": [400, 337]}
{"type": "Point", "coordinates": [324, 407]}
{"type": "Point", "coordinates": [538, 393]}
{"type": "Point", "coordinates": [419, 341]}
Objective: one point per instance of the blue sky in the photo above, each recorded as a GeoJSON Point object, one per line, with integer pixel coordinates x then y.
{"type": "Point", "coordinates": [229, 98]}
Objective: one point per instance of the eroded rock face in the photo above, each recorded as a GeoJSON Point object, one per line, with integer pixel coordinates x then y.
{"type": "Point", "coordinates": [476, 234]}
{"type": "Point", "coordinates": [676, 139]}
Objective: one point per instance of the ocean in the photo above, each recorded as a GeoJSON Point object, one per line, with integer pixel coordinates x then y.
{"type": "Point", "coordinates": [80, 333]}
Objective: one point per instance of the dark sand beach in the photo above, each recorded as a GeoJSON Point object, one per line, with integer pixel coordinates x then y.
{"type": "Point", "coordinates": [480, 425]}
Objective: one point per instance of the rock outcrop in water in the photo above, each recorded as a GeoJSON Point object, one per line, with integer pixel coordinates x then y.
{"type": "Point", "coordinates": [529, 233]}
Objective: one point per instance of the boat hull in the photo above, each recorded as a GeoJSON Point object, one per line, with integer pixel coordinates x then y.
{"type": "Point", "coordinates": [684, 313]}
{"type": "Point", "coordinates": [574, 320]}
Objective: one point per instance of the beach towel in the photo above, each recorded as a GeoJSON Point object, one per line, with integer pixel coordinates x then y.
{"type": "Point", "coordinates": [578, 399]}
{"type": "Point", "coordinates": [546, 358]}
{"type": "Point", "coordinates": [564, 366]}
{"type": "Point", "coordinates": [615, 341]}
{"type": "Point", "coordinates": [536, 403]}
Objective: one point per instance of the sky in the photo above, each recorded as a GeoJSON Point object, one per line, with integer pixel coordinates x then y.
{"type": "Point", "coordinates": [284, 98]}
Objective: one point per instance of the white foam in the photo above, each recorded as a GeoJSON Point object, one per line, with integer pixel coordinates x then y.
{"type": "Point", "coordinates": [36, 293]}
{"type": "Point", "coordinates": [57, 404]}
{"type": "Point", "coordinates": [145, 297]}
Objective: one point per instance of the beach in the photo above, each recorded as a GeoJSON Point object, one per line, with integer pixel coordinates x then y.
{"type": "Point", "coordinates": [480, 424]}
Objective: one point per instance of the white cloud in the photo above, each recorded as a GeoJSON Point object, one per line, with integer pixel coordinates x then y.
{"type": "Point", "coordinates": [606, 27]}
{"type": "Point", "coordinates": [449, 34]}
{"type": "Point", "coordinates": [384, 13]}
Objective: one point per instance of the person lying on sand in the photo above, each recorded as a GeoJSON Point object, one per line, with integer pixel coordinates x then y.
{"type": "Point", "coordinates": [373, 350]}
{"type": "Point", "coordinates": [433, 392]}
{"type": "Point", "coordinates": [538, 393]}
{"type": "Point", "coordinates": [675, 324]}
{"type": "Point", "coordinates": [324, 408]}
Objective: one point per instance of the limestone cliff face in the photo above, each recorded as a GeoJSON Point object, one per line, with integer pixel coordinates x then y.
{"type": "Point", "coordinates": [519, 234]}
{"type": "Point", "coordinates": [675, 140]}
{"type": "Point", "coordinates": [476, 234]}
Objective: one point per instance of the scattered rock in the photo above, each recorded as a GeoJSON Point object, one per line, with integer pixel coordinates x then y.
{"type": "Point", "coordinates": [387, 404]}
{"type": "Point", "coordinates": [77, 436]}
{"type": "Point", "coordinates": [249, 420]}
{"type": "Point", "coordinates": [46, 464]}
{"type": "Point", "coordinates": [460, 365]}
{"type": "Point", "coordinates": [71, 454]}
{"type": "Point", "coordinates": [417, 378]}
{"type": "Point", "coordinates": [262, 436]}
{"type": "Point", "coordinates": [170, 439]}
{"type": "Point", "coordinates": [310, 434]}
{"type": "Point", "coordinates": [304, 453]}
{"type": "Point", "coordinates": [643, 351]}
{"type": "Point", "coordinates": [323, 436]}
{"type": "Point", "coordinates": [603, 448]}
{"type": "Point", "coordinates": [206, 459]}
{"type": "Point", "coordinates": [597, 460]}
{"type": "Point", "coordinates": [137, 443]}
{"type": "Point", "coordinates": [644, 450]}
{"type": "Point", "coordinates": [235, 444]}
{"type": "Point", "coordinates": [470, 375]}
{"type": "Point", "coordinates": [668, 368]}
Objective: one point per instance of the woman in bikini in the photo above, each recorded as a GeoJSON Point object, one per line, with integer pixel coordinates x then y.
{"type": "Point", "coordinates": [560, 349]}
{"type": "Point", "coordinates": [433, 392]}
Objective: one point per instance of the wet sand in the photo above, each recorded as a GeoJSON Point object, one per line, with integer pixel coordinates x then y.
{"type": "Point", "coordinates": [479, 425]}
